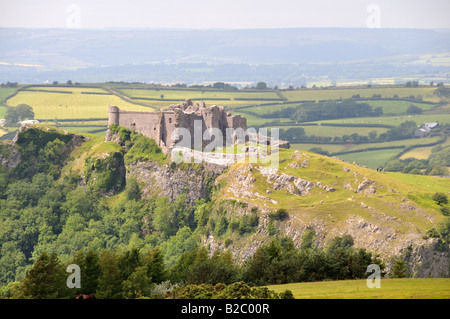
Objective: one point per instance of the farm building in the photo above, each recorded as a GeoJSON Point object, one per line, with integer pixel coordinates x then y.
{"type": "Point", "coordinates": [426, 128]}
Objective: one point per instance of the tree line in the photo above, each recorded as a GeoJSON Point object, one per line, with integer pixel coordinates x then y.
{"type": "Point", "coordinates": [405, 130]}
{"type": "Point", "coordinates": [130, 273]}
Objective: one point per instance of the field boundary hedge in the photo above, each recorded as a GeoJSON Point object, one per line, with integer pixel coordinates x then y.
{"type": "Point", "coordinates": [355, 99]}
{"type": "Point", "coordinates": [407, 149]}
{"type": "Point", "coordinates": [74, 120]}
{"type": "Point", "coordinates": [357, 125]}
{"type": "Point", "coordinates": [368, 149]}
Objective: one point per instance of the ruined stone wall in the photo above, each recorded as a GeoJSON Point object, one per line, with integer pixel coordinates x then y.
{"type": "Point", "coordinates": [160, 125]}
{"type": "Point", "coordinates": [146, 123]}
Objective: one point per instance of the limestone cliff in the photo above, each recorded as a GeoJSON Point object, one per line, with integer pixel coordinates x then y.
{"type": "Point", "coordinates": [332, 198]}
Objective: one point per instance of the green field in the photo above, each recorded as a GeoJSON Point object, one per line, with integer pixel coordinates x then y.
{"type": "Point", "coordinates": [394, 120]}
{"type": "Point", "coordinates": [334, 148]}
{"type": "Point", "coordinates": [71, 106]}
{"type": "Point", "coordinates": [345, 93]}
{"type": "Point", "coordinates": [388, 106]}
{"type": "Point", "coordinates": [321, 130]}
{"type": "Point", "coordinates": [371, 159]}
{"type": "Point", "coordinates": [391, 106]}
{"type": "Point", "coordinates": [198, 94]}
{"type": "Point", "coordinates": [85, 129]}
{"type": "Point", "coordinates": [5, 92]}
{"type": "Point", "coordinates": [162, 98]}
{"type": "Point", "coordinates": [2, 111]}
{"type": "Point", "coordinates": [430, 288]}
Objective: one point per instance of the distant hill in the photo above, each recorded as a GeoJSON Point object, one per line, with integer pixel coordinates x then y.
{"type": "Point", "coordinates": [90, 55]}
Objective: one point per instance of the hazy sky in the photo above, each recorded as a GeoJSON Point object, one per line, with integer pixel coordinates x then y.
{"type": "Point", "coordinates": [225, 13]}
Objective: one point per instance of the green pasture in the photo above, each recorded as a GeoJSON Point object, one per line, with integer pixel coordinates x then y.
{"type": "Point", "coordinates": [2, 111]}
{"type": "Point", "coordinates": [72, 90]}
{"type": "Point", "coordinates": [5, 92]}
{"type": "Point", "coordinates": [345, 93]}
{"type": "Point", "coordinates": [333, 148]}
{"type": "Point", "coordinates": [163, 104]}
{"type": "Point", "coordinates": [197, 94]}
{"type": "Point", "coordinates": [397, 107]}
{"type": "Point", "coordinates": [71, 106]}
{"type": "Point", "coordinates": [371, 159]}
{"type": "Point", "coordinates": [393, 120]}
{"type": "Point", "coordinates": [85, 129]}
{"type": "Point", "coordinates": [405, 288]}
{"type": "Point", "coordinates": [265, 109]}
{"type": "Point", "coordinates": [321, 130]}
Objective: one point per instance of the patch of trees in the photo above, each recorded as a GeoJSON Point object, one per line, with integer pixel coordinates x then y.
{"type": "Point", "coordinates": [412, 84]}
{"type": "Point", "coordinates": [326, 110]}
{"type": "Point", "coordinates": [18, 113]}
{"type": "Point", "coordinates": [442, 233]}
{"type": "Point", "coordinates": [216, 85]}
{"type": "Point", "coordinates": [435, 165]}
{"type": "Point", "coordinates": [412, 110]}
{"type": "Point", "coordinates": [9, 85]}
{"type": "Point", "coordinates": [405, 130]}
{"type": "Point", "coordinates": [442, 91]}
{"type": "Point", "coordinates": [309, 112]}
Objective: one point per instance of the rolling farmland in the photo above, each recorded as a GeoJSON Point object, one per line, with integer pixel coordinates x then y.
{"type": "Point", "coordinates": [71, 105]}
{"type": "Point", "coordinates": [84, 109]}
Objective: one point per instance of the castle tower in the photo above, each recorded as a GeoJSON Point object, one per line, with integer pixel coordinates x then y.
{"type": "Point", "coordinates": [113, 115]}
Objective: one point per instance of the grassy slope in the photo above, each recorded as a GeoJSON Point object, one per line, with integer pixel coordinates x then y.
{"type": "Point", "coordinates": [430, 288]}
{"type": "Point", "coordinates": [334, 213]}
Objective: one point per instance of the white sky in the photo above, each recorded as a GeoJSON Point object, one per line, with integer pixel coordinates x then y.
{"type": "Point", "coordinates": [234, 14]}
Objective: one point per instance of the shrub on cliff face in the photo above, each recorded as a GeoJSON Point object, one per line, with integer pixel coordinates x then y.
{"type": "Point", "coordinates": [42, 151]}
{"type": "Point", "coordinates": [105, 174]}
{"type": "Point", "coordinates": [144, 149]}
{"type": "Point", "coordinates": [440, 198]}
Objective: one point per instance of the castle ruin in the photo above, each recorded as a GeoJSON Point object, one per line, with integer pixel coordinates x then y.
{"type": "Point", "coordinates": [161, 124]}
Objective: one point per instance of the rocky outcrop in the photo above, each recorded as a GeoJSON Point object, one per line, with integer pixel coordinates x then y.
{"type": "Point", "coordinates": [292, 184]}
{"type": "Point", "coordinates": [172, 181]}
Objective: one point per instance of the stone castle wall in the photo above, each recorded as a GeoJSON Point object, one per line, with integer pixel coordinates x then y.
{"type": "Point", "coordinates": [160, 125]}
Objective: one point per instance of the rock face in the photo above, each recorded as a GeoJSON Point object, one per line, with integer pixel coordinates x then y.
{"type": "Point", "coordinates": [292, 184]}
{"type": "Point", "coordinates": [163, 180]}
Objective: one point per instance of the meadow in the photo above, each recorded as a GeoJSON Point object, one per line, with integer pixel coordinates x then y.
{"type": "Point", "coordinates": [363, 155]}
{"type": "Point", "coordinates": [322, 130]}
{"type": "Point", "coordinates": [162, 98]}
{"type": "Point", "coordinates": [199, 94]}
{"type": "Point", "coordinates": [371, 159]}
{"type": "Point", "coordinates": [405, 288]}
{"type": "Point", "coordinates": [393, 120]}
{"type": "Point", "coordinates": [348, 92]}
{"type": "Point", "coordinates": [75, 105]}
